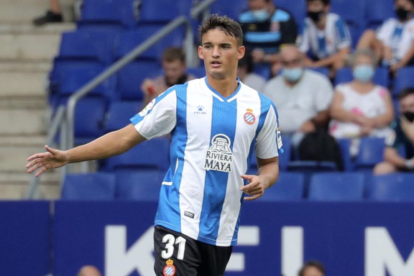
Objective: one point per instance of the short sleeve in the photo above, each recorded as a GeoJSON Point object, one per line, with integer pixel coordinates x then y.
{"type": "Point", "coordinates": [158, 118]}
{"type": "Point", "coordinates": [269, 139]}
{"type": "Point", "coordinates": [303, 39]}
{"type": "Point", "coordinates": [343, 35]}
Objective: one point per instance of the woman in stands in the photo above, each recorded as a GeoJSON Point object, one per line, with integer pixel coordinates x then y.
{"type": "Point", "coordinates": [361, 108]}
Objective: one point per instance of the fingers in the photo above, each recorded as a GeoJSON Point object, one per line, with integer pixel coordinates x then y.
{"type": "Point", "coordinates": [250, 198]}
{"type": "Point", "coordinates": [248, 177]}
{"type": "Point", "coordinates": [34, 167]}
{"type": "Point", "coordinates": [51, 150]}
{"type": "Point", "coordinates": [42, 170]}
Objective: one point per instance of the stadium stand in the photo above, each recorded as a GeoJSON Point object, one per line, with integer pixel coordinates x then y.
{"type": "Point", "coordinates": [378, 11]}
{"type": "Point", "coordinates": [403, 79]}
{"type": "Point", "coordinates": [370, 153]}
{"type": "Point", "coordinates": [381, 76]}
{"type": "Point", "coordinates": [393, 187]}
{"type": "Point", "coordinates": [289, 186]}
{"type": "Point", "coordinates": [151, 12]}
{"type": "Point", "coordinates": [91, 186]}
{"type": "Point", "coordinates": [119, 114]}
{"type": "Point", "coordinates": [135, 185]}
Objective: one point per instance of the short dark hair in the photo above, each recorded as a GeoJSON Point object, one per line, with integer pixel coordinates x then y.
{"type": "Point", "coordinates": [405, 92]}
{"type": "Point", "coordinates": [325, 2]}
{"type": "Point", "coordinates": [227, 25]}
{"type": "Point", "coordinates": [318, 265]}
{"type": "Point", "coordinates": [172, 53]}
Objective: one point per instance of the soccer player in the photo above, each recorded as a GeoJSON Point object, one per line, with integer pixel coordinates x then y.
{"type": "Point", "coordinates": [215, 124]}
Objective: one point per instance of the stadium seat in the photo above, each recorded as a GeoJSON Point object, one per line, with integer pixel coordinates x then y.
{"type": "Point", "coordinates": [379, 11]}
{"type": "Point", "coordinates": [262, 70]}
{"type": "Point", "coordinates": [163, 11]}
{"type": "Point", "coordinates": [135, 185]}
{"type": "Point", "coordinates": [110, 12]}
{"type": "Point", "coordinates": [371, 152]}
{"type": "Point", "coordinates": [131, 39]}
{"type": "Point", "coordinates": [346, 186]}
{"type": "Point", "coordinates": [344, 75]}
{"type": "Point", "coordinates": [289, 187]}
{"type": "Point", "coordinates": [296, 8]}
{"type": "Point", "coordinates": [311, 166]}
{"type": "Point", "coordinates": [230, 8]}
{"type": "Point", "coordinates": [119, 114]}
{"type": "Point", "coordinates": [404, 79]}
{"type": "Point", "coordinates": [345, 145]}
{"type": "Point", "coordinates": [150, 155]}
{"type": "Point", "coordinates": [91, 186]}
{"type": "Point", "coordinates": [198, 72]}
{"type": "Point", "coordinates": [130, 78]}
{"type": "Point", "coordinates": [323, 70]}
{"type": "Point", "coordinates": [393, 187]}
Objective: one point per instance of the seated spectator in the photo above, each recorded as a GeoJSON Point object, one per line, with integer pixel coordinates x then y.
{"type": "Point", "coordinates": [325, 37]}
{"type": "Point", "coordinates": [174, 65]}
{"type": "Point", "coordinates": [402, 135]}
{"type": "Point", "coordinates": [302, 96]}
{"type": "Point", "coordinates": [312, 268]}
{"type": "Point", "coordinates": [53, 15]}
{"type": "Point", "coordinates": [361, 108]}
{"type": "Point", "coordinates": [394, 41]}
{"type": "Point", "coordinates": [246, 74]}
{"type": "Point", "coordinates": [89, 270]}
{"type": "Point", "coordinates": [267, 27]}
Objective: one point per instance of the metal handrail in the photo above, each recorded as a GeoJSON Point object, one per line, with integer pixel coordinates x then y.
{"type": "Point", "coordinates": [56, 125]}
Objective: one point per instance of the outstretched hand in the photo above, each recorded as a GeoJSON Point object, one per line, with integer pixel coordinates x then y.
{"type": "Point", "coordinates": [51, 159]}
{"type": "Point", "coordinates": [255, 188]}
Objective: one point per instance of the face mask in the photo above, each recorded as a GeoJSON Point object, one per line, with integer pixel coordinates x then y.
{"type": "Point", "coordinates": [292, 74]}
{"type": "Point", "coordinates": [409, 116]}
{"type": "Point", "coordinates": [402, 14]}
{"type": "Point", "coordinates": [363, 73]}
{"type": "Point", "coordinates": [315, 16]}
{"type": "Point", "coordinates": [261, 15]}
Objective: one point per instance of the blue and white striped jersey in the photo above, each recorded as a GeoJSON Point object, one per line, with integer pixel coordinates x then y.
{"type": "Point", "coordinates": [324, 43]}
{"type": "Point", "coordinates": [212, 141]}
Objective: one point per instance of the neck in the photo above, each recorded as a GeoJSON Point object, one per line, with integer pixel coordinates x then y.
{"type": "Point", "coordinates": [242, 74]}
{"type": "Point", "coordinates": [225, 86]}
{"type": "Point", "coordinates": [321, 24]}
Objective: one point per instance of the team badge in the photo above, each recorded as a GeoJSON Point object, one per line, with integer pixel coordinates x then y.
{"type": "Point", "coordinates": [249, 117]}
{"type": "Point", "coordinates": [219, 156]}
{"type": "Point", "coordinates": [169, 269]}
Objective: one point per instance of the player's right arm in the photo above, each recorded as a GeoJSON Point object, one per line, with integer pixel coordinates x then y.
{"type": "Point", "coordinates": [111, 144]}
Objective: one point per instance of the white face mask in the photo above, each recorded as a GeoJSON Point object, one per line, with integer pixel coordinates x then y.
{"type": "Point", "coordinates": [261, 15]}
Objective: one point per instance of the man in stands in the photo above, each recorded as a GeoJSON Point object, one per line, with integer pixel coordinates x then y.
{"type": "Point", "coordinates": [174, 66]}
{"type": "Point", "coordinates": [325, 37]}
{"type": "Point", "coordinates": [401, 138]}
{"type": "Point", "coordinates": [312, 268]}
{"type": "Point", "coordinates": [394, 41]}
{"type": "Point", "coordinates": [267, 27]}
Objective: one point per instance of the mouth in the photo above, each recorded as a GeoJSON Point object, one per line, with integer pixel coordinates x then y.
{"type": "Point", "coordinates": [215, 64]}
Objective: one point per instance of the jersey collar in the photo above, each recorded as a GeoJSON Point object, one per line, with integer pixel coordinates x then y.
{"type": "Point", "coordinates": [219, 96]}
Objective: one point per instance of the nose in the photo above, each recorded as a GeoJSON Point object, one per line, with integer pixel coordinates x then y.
{"type": "Point", "coordinates": [216, 52]}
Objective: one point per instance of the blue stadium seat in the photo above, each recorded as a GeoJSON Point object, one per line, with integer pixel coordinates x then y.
{"type": "Point", "coordinates": [379, 11]}
{"type": "Point", "coordinates": [130, 78]}
{"type": "Point", "coordinates": [289, 187]}
{"type": "Point", "coordinates": [344, 75]}
{"type": "Point", "coordinates": [371, 152]}
{"type": "Point", "coordinates": [230, 8]}
{"type": "Point", "coordinates": [345, 145]}
{"type": "Point", "coordinates": [91, 186]}
{"type": "Point", "coordinates": [311, 166]}
{"type": "Point", "coordinates": [110, 12]}
{"type": "Point", "coordinates": [135, 185]}
{"type": "Point", "coordinates": [198, 72]}
{"type": "Point", "coordinates": [393, 187]}
{"type": "Point", "coordinates": [163, 11]}
{"type": "Point", "coordinates": [119, 114]}
{"type": "Point", "coordinates": [296, 8]}
{"type": "Point", "coordinates": [337, 186]}
{"type": "Point", "coordinates": [404, 79]}
{"type": "Point", "coordinates": [150, 155]}
{"type": "Point", "coordinates": [84, 45]}
{"type": "Point", "coordinates": [323, 70]}
{"type": "Point", "coordinates": [131, 39]}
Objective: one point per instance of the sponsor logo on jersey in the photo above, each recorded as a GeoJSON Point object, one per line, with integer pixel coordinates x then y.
{"type": "Point", "coordinates": [249, 117]}
{"type": "Point", "coordinates": [200, 110]}
{"type": "Point", "coordinates": [219, 156]}
{"type": "Point", "coordinates": [147, 109]}
{"type": "Point", "coordinates": [169, 269]}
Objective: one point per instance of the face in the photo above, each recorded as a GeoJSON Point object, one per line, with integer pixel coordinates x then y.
{"type": "Point", "coordinates": [405, 4]}
{"type": "Point", "coordinates": [362, 60]}
{"type": "Point", "coordinates": [173, 70]}
{"type": "Point", "coordinates": [312, 271]}
{"type": "Point", "coordinates": [291, 58]}
{"type": "Point", "coordinates": [255, 5]}
{"type": "Point", "coordinates": [407, 104]}
{"type": "Point", "coordinates": [317, 6]}
{"type": "Point", "coordinates": [220, 53]}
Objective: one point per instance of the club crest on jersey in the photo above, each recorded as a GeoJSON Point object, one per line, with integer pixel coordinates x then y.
{"type": "Point", "coordinates": [169, 269]}
{"type": "Point", "coordinates": [147, 109]}
{"type": "Point", "coordinates": [219, 156]}
{"type": "Point", "coordinates": [249, 117]}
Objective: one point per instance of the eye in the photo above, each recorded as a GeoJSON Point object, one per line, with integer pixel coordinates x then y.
{"type": "Point", "coordinates": [226, 46]}
{"type": "Point", "coordinates": [207, 46]}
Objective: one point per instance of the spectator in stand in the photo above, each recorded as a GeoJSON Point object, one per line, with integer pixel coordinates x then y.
{"type": "Point", "coordinates": [361, 108]}
{"type": "Point", "coordinates": [402, 135]}
{"type": "Point", "coordinates": [301, 95]}
{"type": "Point", "coordinates": [53, 15]}
{"type": "Point", "coordinates": [267, 27]}
{"type": "Point", "coordinates": [394, 41]}
{"type": "Point", "coordinates": [247, 76]}
{"type": "Point", "coordinates": [89, 271]}
{"type": "Point", "coordinates": [325, 37]}
{"type": "Point", "coordinates": [312, 268]}
{"type": "Point", "coordinates": [174, 65]}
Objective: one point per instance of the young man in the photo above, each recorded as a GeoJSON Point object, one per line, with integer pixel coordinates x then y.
{"type": "Point", "coordinates": [325, 37]}
{"type": "Point", "coordinates": [215, 123]}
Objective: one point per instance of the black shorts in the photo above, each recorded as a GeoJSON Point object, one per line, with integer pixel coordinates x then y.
{"type": "Point", "coordinates": [179, 255]}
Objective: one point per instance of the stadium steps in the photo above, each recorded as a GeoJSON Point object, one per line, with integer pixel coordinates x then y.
{"type": "Point", "coordinates": [26, 54]}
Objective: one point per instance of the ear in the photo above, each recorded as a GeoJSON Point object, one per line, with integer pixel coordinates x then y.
{"type": "Point", "coordinates": [241, 52]}
{"type": "Point", "coordinates": [200, 53]}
